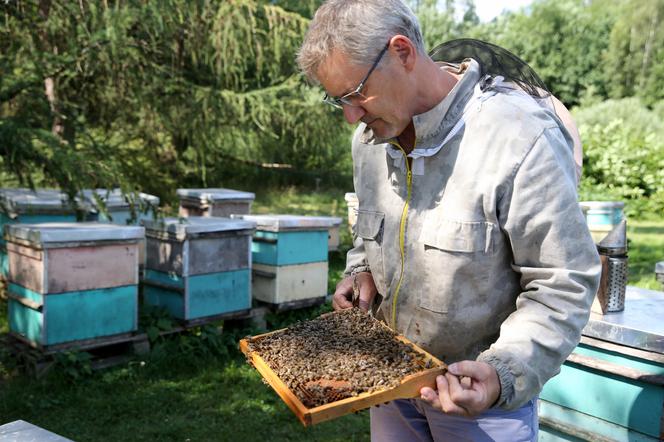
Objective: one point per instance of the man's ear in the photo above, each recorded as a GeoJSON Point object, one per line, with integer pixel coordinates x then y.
{"type": "Point", "coordinates": [404, 50]}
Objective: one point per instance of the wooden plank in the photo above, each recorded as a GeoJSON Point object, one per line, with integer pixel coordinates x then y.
{"type": "Point", "coordinates": [409, 388]}
{"type": "Point", "coordinates": [214, 255]}
{"type": "Point", "coordinates": [290, 283]}
{"type": "Point", "coordinates": [615, 369]}
{"type": "Point", "coordinates": [623, 349]}
{"type": "Point", "coordinates": [26, 267]}
{"type": "Point", "coordinates": [26, 302]}
{"type": "Point", "coordinates": [88, 268]}
{"type": "Point", "coordinates": [227, 208]}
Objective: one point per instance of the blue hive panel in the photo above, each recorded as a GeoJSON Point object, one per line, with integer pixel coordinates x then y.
{"type": "Point", "coordinates": [73, 316]}
{"type": "Point", "coordinates": [289, 248]}
{"type": "Point", "coordinates": [198, 296]}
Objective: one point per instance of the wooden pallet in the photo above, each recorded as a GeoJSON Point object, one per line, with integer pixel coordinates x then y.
{"type": "Point", "coordinates": [105, 352]}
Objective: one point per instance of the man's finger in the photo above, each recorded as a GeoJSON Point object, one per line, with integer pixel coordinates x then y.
{"type": "Point", "coordinates": [340, 302]}
{"type": "Point", "coordinates": [467, 368]}
{"type": "Point", "coordinates": [429, 394]}
{"type": "Point", "coordinates": [446, 402]}
{"type": "Point", "coordinates": [458, 394]}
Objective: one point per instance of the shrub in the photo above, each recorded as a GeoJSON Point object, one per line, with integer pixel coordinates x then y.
{"type": "Point", "coordinates": [623, 145]}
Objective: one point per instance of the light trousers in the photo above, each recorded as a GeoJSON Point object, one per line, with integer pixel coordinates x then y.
{"type": "Point", "coordinates": [415, 420]}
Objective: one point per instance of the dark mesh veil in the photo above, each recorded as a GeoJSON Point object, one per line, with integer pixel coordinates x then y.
{"type": "Point", "coordinates": [493, 61]}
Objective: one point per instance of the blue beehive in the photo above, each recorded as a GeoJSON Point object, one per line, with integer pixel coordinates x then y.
{"type": "Point", "coordinates": [198, 267]}
{"type": "Point", "coordinates": [119, 206]}
{"type": "Point", "coordinates": [32, 206]}
{"type": "Point", "coordinates": [289, 256]}
{"type": "Point", "coordinates": [72, 282]}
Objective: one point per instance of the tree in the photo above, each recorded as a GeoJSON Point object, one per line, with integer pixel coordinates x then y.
{"type": "Point", "coordinates": [634, 61]}
{"type": "Point", "coordinates": [157, 94]}
{"type": "Point", "coordinates": [563, 40]}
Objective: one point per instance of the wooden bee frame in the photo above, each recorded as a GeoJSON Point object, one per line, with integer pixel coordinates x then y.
{"type": "Point", "coordinates": [408, 388]}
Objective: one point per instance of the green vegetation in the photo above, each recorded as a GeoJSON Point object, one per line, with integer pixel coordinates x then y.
{"type": "Point", "coordinates": [196, 93]}
{"type": "Point", "coordinates": [646, 248]}
{"type": "Point", "coordinates": [196, 386]}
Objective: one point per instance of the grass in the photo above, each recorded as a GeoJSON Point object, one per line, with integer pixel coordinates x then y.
{"type": "Point", "coordinates": [187, 391]}
{"type": "Point", "coordinates": [646, 248]}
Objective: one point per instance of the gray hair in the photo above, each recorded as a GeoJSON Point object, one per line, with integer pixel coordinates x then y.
{"type": "Point", "coordinates": [358, 28]}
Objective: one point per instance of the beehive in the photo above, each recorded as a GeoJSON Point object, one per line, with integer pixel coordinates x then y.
{"type": "Point", "coordinates": [119, 210]}
{"type": "Point", "coordinates": [72, 281]}
{"type": "Point", "coordinates": [119, 206]}
{"type": "Point", "coordinates": [198, 267]}
{"type": "Point", "coordinates": [289, 256]}
{"type": "Point", "coordinates": [30, 207]}
{"type": "Point", "coordinates": [214, 202]}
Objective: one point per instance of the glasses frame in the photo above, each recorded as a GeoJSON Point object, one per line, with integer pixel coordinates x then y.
{"type": "Point", "coordinates": [346, 99]}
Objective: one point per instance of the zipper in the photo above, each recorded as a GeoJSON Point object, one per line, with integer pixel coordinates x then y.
{"type": "Point", "coordinates": [402, 235]}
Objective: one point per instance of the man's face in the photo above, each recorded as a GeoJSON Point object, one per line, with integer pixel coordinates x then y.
{"type": "Point", "coordinates": [382, 104]}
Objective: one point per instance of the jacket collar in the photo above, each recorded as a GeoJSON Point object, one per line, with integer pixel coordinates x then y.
{"type": "Point", "coordinates": [432, 126]}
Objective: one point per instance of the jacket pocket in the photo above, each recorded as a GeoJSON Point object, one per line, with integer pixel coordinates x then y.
{"type": "Point", "coordinates": [370, 227]}
{"type": "Point", "coordinates": [457, 255]}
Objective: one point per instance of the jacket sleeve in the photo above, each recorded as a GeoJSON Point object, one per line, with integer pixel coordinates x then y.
{"type": "Point", "coordinates": [559, 267]}
{"type": "Point", "coordinates": [356, 260]}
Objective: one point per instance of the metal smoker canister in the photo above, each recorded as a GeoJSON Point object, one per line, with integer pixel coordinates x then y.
{"type": "Point", "coordinates": [613, 254]}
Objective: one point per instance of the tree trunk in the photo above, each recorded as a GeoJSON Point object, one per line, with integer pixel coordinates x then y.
{"type": "Point", "coordinates": [57, 127]}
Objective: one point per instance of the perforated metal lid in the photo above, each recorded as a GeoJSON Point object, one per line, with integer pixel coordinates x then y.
{"type": "Point", "coordinates": [291, 222]}
{"type": "Point", "coordinates": [218, 194]}
{"type": "Point", "coordinates": [47, 233]}
{"type": "Point", "coordinates": [182, 228]}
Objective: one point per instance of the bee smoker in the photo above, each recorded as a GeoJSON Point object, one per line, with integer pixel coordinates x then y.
{"type": "Point", "coordinates": [613, 283]}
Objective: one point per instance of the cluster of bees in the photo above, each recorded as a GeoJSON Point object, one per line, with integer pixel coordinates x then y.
{"type": "Point", "coordinates": [338, 355]}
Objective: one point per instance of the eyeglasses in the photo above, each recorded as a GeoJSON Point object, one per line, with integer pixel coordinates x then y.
{"type": "Point", "coordinates": [351, 98]}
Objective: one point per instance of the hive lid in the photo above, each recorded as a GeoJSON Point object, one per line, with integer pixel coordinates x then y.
{"type": "Point", "coordinates": [595, 205]}
{"type": "Point", "coordinates": [115, 199]}
{"type": "Point", "coordinates": [21, 200]}
{"type": "Point", "coordinates": [615, 242]}
{"type": "Point", "coordinates": [218, 194]}
{"type": "Point", "coordinates": [181, 228]}
{"type": "Point", "coordinates": [291, 222]}
{"type": "Point", "coordinates": [72, 232]}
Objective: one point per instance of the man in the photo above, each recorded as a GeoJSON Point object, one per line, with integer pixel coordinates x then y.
{"type": "Point", "coordinates": [468, 223]}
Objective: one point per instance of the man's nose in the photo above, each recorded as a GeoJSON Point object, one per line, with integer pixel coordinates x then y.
{"type": "Point", "coordinates": [353, 114]}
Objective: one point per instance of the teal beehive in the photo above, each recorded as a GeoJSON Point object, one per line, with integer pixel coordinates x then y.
{"type": "Point", "coordinates": [289, 255]}
{"type": "Point", "coordinates": [198, 267]}
{"type": "Point", "coordinates": [70, 282]}
{"type": "Point", "coordinates": [114, 206]}
{"type": "Point", "coordinates": [612, 386]}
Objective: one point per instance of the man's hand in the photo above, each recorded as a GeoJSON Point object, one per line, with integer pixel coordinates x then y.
{"type": "Point", "coordinates": [467, 389]}
{"type": "Point", "coordinates": [343, 295]}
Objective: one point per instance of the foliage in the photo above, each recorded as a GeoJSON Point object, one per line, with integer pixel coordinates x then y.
{"type": "Point", "coordinates": [623, 155]}
{"type": "Point", "coordinates": [156, 95]}
{"type": "Point", "coordinates": [74, 364]}
{"type": "Point", "coordinates": [564, 41]}
{"type": "Point", "coordinates": [646, 242]}
{"type": "Point", "coordinates": [439, 20]}
{"type": "Point", "coordinates": [154, 320]}
{"type": "Point", "coordinates": [634, 61]}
